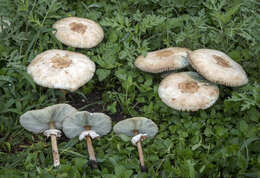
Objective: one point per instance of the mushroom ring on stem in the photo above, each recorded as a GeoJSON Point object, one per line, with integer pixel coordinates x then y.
{"type": "Point", "coordinates": [48, 121]}
{"type": "Point", "coordinates": [89, 126]}
{"type": "Point", "coordinates": [139, 128]}
{"type": "Point", "coordinates": [61, 69]}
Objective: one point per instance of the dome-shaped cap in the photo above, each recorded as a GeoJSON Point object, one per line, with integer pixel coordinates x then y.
{"type": "Point", "coordinates": [77, 123]}
{"type": "Point", "coordinates": [187, 91]}
{"type": "Point", "coordinates": [61, 69]}
{"type": "Point", "coordinates": [37, 121]}
{"type": "Point", "coordinates": [172, 58]}
{"type": "Point", "coordinates": [140, 124]}
{"type": "Point", "coordinates": [217, 67]}
{"type": "Point", "coordinates": [78, 32]}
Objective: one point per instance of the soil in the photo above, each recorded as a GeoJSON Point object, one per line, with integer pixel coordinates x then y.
{"type": "Point", "coordinates": [93, 103]}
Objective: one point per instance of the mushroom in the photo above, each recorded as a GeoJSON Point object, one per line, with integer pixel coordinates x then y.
{"type": "Point", "coordinates": [217, 67]}
{"type": "Point", "coordinates": [48, 120]}
{"type": "Point", "coordinates": [61, 69]}
{"type": "Point", "coordinates": [89, 126]}
{"type": "Point", "coordinates": [78, 32]}
{"type": "Point", "coordinates": [172, 58]}
{"type": "Point", "coordinates": [187, 91]}
{"type": "Point", "coordinates": [138, 128]}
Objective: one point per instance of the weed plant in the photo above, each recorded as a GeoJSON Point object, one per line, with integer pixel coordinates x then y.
{"type": "Point", "coordinates": [222, 141]}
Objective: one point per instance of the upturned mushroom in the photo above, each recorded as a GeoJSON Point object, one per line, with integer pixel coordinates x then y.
{"type": "Point", "coordinates": [48, 121]}
{"type": "Point", "coordinates": [61, 69]}
{"type": "Point", "coordinates": [138, 128]}
{"type": "Point", "coordinates": [87, 126]}
{"type": "Point", "coordinates": [78, 32]}
{"type": "Point", "coordinates": [218, 67]}
{"type": "Point", "coordinates": [187, 91]}
{"type": "Point", "coordinates": [172, 58]}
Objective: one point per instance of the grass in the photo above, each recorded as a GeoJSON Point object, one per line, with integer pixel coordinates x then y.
{"type": "Point", "coordinates": [222, 141]}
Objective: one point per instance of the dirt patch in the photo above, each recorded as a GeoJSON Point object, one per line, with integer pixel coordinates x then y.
{"type": "Point", "coordinates": [94, 103]}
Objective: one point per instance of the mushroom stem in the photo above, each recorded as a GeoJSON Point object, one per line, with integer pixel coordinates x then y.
{"type": "Point", "coordinates": [55, 152]}
{"type": "Point", "coordinates": [140, 153]}
{"type": "Point", "coordinates": [92, 158]}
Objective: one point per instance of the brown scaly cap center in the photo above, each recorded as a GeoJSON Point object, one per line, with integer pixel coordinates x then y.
{"type": "Point", "coordinates": [59, 62]}
{"type": "Point", "coordinates": [78, 27]}
{"type": "Point", "coordinates": [164, 53]}
{"type": "Point", "coordinates": [220, 61]}
{"type": "Point", "coordinates": [188, 87]}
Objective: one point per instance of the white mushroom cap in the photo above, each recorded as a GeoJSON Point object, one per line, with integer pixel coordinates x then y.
{"type": "Point", "coordinates": [217, 67]}
{"type": "Point", "coordinates": [78, 32]}
{"type": "Point", "coordinates": [37, 121]}
{"type": "Point", "coordinates": [172, 58]}
{"type": "Point", "coordinates": [140, 124]}
{"type": "Point", "coordinates": [76, 123]}
{"type": "Point", "coordinates": [187, 91]}
{"type": "Point", "coordinates": [61, 69]}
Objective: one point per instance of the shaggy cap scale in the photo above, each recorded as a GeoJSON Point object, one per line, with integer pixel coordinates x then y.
{"type": "Point", "coordinates": [76, 123]}
{"type": "Point", "coordinates": [187, 91]}
{"type": "Point", "coordinates": [217, 67]}
{"type": "Point", "coordinates": [61, 69]}
{"type": "Point", "coordinates": [37, 121]}
{"type": "Point", "coordinates": [163, 60]}
{"type": "Point", "coordinates": [78, 32]}
{"type": "Point", "coordinates": [140, 124]}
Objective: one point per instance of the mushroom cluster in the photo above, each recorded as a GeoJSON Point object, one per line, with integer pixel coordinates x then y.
{"type": "Point", "coordinates": [189, 91]}
{"type": "Point", "coordinates": [62, 117]}
{"type": "Point", "coordinates": [67, 70]}
{"type": "Point", "coordinates": [51, 120]}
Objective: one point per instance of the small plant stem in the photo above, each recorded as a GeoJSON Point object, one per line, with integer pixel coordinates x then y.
{"type": "Point", "coordinates": [140, 153]}
{"type": "Point", "coordinates": [92, 157]}
{"type": "Point", "coordinates": [55, 152]}
{"type": "Point", "coordinates": [64, 92]}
